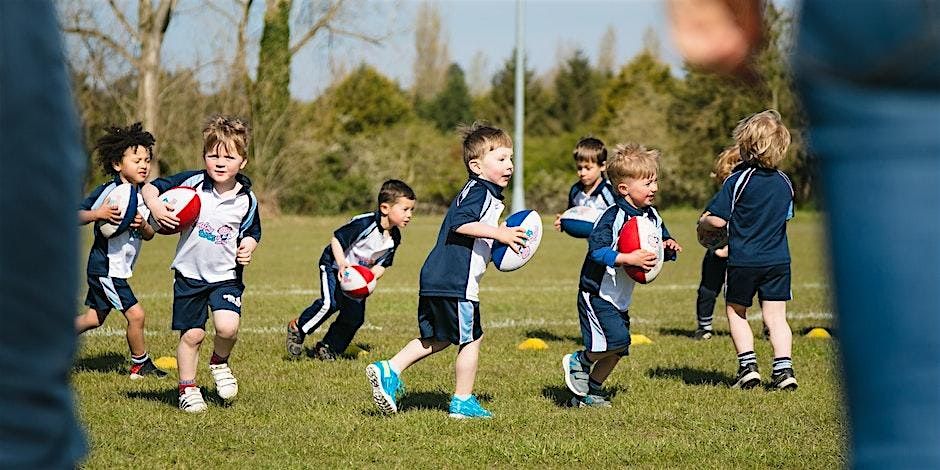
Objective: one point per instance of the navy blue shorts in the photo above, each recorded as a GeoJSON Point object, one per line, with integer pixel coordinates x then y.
{"type": "Point", "coordinates": [768, 282]}
{"type": "Point", "coordinates": [192, 299]}
{"type": "Point", "coordinates": [105, 293]}
{"type": "Point", "coordinates": [603, 327]}
{"type": "Point", "coordinates": [449, 319]}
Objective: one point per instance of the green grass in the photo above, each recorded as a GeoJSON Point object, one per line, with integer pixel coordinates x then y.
{"type": "Point", "coordinates": [673, 406]}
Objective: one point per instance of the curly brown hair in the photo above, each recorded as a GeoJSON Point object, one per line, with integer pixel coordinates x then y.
{"type": "Point", "coordinates": [117, 140]}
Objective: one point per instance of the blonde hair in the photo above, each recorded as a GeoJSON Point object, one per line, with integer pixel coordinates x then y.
{"type": "Point", "coordinates": [632, 161]}
{"type": "Point", "coordinates": [590, 150]}
{"type": "Point", "coordinates": [762, 138]}
{"type": "Point", "coordinates": [480, 138]}
{"type": "Point", "coordinates": [231, 132]}
{"type": "Point", "coordinates": [727, 160]}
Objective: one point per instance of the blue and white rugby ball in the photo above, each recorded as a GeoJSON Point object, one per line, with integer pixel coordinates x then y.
{"type": "Point", "coordinates": [507, 260]}
{"type": "Point", "coordinates": [579, 221]}
{"type": "Point", "coordinates": [124, 196]}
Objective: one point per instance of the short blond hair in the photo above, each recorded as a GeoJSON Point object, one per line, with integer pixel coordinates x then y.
{"type": "Point", "coordinates": [632, 161]}
{"type": "Point", "coordinates": [231, 132]}
{"type": "Point", "coordinates": [480, 138]}
{"type": "Point", "coordinates": [762, 138]}
{"type": "Point", "coordinates": [727, 160]}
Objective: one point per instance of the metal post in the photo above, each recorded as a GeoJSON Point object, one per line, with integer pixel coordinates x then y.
{"type": "Point", "coordinates": [518, 190]}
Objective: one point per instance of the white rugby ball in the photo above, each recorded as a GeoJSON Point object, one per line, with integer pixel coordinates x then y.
{"type": "Point", "coordinates": [121, 196]}
{"type": "Point", "coordinates": [357, 281]}
{"type": "Point", "coordinates": [579, 221]}
{"type": "Point", "coordinates": [507, 260]}
{"type": "Point", "coordinates": [642, 233]}
{"type": "Point", "coordinates": [186, 206]}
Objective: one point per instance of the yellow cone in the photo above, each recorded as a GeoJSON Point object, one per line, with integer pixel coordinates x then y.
{"type": "Point", "coordinates": [639, 339]}
{"type": "Point", "coordinates": [532, 344]}
{"type": "Point", "coordinates": [355, 351]}
{"type": "Point", "coordinates": [165, 362]}
{"type": "Point", "coordinates": [818, 333]}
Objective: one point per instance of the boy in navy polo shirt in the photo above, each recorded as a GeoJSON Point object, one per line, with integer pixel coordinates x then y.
{"type": "Point", "coordinates": [448, 303]}
{"type": "Point", "coordinates": [368, 240]}
{"type": "Point", "coordinates": [211, 255]}
{"type": "Point", "coordinates": [605, 289]}
{"type": "Point", "coordinates": [125, 154]}
{"type": "Point", "coordinates": [592, 188]}
{"type": "Point", "coordinates": [755, 203]}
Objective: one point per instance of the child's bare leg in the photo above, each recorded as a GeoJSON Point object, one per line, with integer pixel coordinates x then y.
{"type": "Point", "coordinates": [135, 330]}
{"type": "Point", "coordinates": [226, 331]}
{"type": "Point", "coordinates": [468, 357]}
{"type": "Point", "coordinates": [741, 334]}
{"type": "Point", "coordinates": [90, 320]}
{"type": "Point", "coordinates": [604, 365]}
{"type": "Point", "coordinates": [187, 352]}
{"type": "Point", "coordinates": [414, 351]}
{"type": "Point", "coordinates": [775, 317]}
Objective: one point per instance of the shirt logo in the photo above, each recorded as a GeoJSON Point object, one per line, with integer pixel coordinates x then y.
{"type": "Point", "coordinates": [218, 236]}
{"type": "Point", "coordinates": [236, 301]}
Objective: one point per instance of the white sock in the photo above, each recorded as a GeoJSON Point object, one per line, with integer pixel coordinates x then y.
{"type": "Point", "coordinates": [462, 397]}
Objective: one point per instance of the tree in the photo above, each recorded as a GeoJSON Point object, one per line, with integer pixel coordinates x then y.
{"type": "Point", "coordinates": [607, 52]}
{"type": "Point", "coordinates": [139, 46]}
{"type": "Point", "coordinates": [499, 105]}
{"type": "Point", "coordinates": [643, 75]}
{"type": "Point", "coordinates": [576, 92]}
{"type": "Point", "coordinates": [431, 55]}
{"type": "Point", "coordinates": [365, 101]}
{"type": "Point", "coordinates": [453, 104]}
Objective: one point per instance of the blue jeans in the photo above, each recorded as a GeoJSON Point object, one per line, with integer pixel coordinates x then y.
{"type": "Point", "coordinates": [869, 75]}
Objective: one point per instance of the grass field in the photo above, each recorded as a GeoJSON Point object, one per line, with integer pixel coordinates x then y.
{"type": "Point", "coordinates": [673, 406]}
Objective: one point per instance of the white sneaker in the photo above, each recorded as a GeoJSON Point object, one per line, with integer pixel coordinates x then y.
{"type": "Point", "coordinates": [225, 383]}
{"type": "Point", "coordinates": [191, 400]}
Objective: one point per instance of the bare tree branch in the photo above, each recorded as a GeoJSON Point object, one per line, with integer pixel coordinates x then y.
{"type": "Point", "coordinates": [111, 43]}
{"type": "Point", "coordinates": [163, 13]}
{"type": "Point", "coordinates": [123, 20]}
{"type": "Point", "coordinates": [321, 23]}
{"type": "Point", "coordinates": [374, 40]}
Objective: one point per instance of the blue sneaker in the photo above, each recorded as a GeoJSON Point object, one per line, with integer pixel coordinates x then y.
{"type": "Point", "coordinates": [576, 374]}
{"type": "Point", "coordinates": [387, 388]}
{"type": "Point", "coordinates": [467, 409]}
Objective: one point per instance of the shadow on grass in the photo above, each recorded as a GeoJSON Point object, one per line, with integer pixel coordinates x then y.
{"type": "Point", "coordinates": [549, 336]}
{"type": "Point", "coordinates": [107, 363]}
{"type": "Point", "coordinates": [691, 376]}
{"type": "Point", "coordinates": [686, 333]}
{"type": "Point", "coordinates": [436, 400]}
{"type": "Point", "coordinates": [560, 396]}
{"type": "Point", "coordinates": [170, 397]}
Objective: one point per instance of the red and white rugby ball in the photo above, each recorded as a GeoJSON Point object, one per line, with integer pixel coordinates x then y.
{"type": "Point", "coordinates": [121, 196]}
{"type": "Point", "coordinates": [356, 281]}
{"type": "Point", "coordinates": [186, 206]}
{"type": "Point", "coordinates": [642, 233]}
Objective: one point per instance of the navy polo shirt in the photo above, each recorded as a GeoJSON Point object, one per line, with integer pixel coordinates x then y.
{"type": "Point", "coordinates": [756, 202]}
{"type": "Point", "coordinates": [601, 197]}
{"type": "Point", "coordinates": [364, 242]}
{"type": "Point", "coordinates": [457, 262]}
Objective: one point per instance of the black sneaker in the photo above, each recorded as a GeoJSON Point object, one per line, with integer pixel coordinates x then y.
{"type": "Point", "coordinates": [702, 334]}
{"type": "Point", "coordinates": [324, 352]}
{"type": "Point", "coordinates": [748, 377]}
{"type": "Point", "coordinates": [146, 369]}
{"type": "Point", "coordinates": [295, 341]}
{"type": "Point", "coordinates": [783, 380]}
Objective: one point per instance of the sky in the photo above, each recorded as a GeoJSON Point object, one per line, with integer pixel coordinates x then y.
{"type": "Point", "coordinates": [199, 35]}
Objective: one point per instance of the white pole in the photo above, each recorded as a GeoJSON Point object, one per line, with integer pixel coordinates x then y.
{"type": "Point", "coordinates": [518, 190]}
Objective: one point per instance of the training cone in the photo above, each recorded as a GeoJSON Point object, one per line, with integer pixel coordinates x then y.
{"type": "Point", "coordinates": [818, 333]}
{"type": "Point", "coordinates": [355, 351]}
{"type": "Point", "coordinates": [532, 344]}
{"type": "Point", "coordinates": [640, 339]}
{"type": "Point", "coordinates": [165, 362]}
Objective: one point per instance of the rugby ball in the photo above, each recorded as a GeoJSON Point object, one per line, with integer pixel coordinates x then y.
{"type": "Point", "coordinates": [642, 233]}
{"type": "Point", "coordinates": [356, 281]}
{"type": "Point", "coordinates": [121, 196]}
{"type": "Point", "coordinates": [186, 206]}
{"type": "Point", "coordinates": [507, 260]}
{"type": "Point", "coordinates": [579, 221]}
{"type": "Point", "coordinates": [711, 237]}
